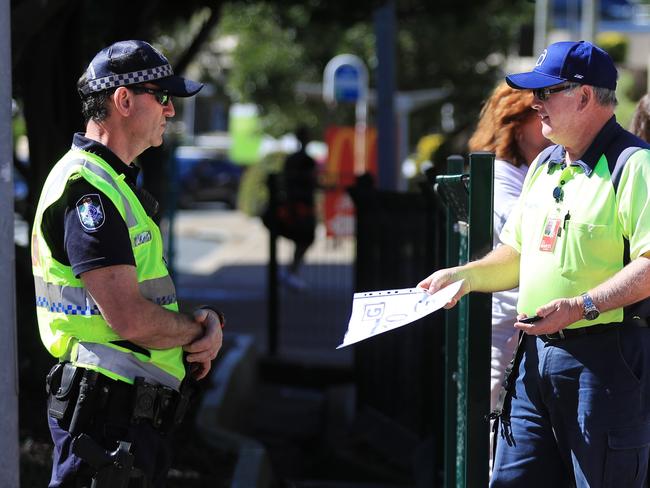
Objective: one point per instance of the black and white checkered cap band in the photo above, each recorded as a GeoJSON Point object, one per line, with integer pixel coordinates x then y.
{"type": "Point", "coordinates": [123, 79]}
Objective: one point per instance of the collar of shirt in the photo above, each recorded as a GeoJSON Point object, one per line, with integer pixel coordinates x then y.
{"type": "Point", "coordinates": [130, 171]}
{"type": "Point", "coordinates": [593, 153]}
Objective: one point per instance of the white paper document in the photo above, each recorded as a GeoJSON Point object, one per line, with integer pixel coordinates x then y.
{"type": "Point", "coordinates": [374, 312]}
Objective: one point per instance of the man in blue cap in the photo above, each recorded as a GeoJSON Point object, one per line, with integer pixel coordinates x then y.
{"type": "Point", "coordinates": [105, 302]}
{"type": "Point", "coordinates": [578, 246]}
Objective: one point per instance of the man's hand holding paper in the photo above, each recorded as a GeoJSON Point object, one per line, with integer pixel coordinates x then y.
{"type": "Point", "coordinates": [380, 311]}
{"type": "Point", "coordinates": [443, 278]}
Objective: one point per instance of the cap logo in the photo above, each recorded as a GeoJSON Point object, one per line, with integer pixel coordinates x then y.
{"type": "Point", "coordinates": [123, 79]}
{"type": "Point", "coordinates": [541, 58]}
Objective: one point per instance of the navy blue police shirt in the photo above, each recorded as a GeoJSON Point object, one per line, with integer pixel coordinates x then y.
{"type": "Point", "coordinates": [83, 229]}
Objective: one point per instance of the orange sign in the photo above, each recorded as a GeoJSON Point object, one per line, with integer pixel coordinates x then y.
{"type": "Point", "coordinates": [339, 174]}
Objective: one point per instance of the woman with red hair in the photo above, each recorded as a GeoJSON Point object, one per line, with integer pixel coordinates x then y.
{"type": "Point", "coordinates": [510, 128]}
{"type": "Point", "coordinates": [640, 125]}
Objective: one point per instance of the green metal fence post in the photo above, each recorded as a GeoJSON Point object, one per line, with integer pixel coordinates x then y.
{"type": "Point", "coordinates": [455, 165]}
{"type": "Point", "coordinates": [461, 366]}
{"type": "Point", "coordinates": [479, 324]}
{"type": "Point", "coordinates": [468, 327]}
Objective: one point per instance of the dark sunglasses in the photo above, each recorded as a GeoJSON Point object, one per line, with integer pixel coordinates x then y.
{"type": "Point", "coordinates": [162, 96]}
{"type": "Point", "coordinates": [543, 93]}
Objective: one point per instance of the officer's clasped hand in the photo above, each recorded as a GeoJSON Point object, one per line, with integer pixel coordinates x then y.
{"type": "Point", "coordinates": [204, 349]}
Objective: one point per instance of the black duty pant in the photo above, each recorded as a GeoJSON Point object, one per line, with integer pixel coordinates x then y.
{"type": "Point", "coordinates": [151, 449]}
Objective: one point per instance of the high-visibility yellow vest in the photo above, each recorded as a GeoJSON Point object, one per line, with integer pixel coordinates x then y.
{"type": "Point", "coordinates": [70, 323]}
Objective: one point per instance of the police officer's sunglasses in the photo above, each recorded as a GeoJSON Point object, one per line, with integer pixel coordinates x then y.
{"type": "Point", "coordinates": [162, 96]}
{"type": "Point", "coordinates": [543, 93]}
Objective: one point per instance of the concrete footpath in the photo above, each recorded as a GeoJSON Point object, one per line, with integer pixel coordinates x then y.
{"type": "Point", "coordinates": [289, 414]}
{"type": "Point", "coordinates": [221, 258]}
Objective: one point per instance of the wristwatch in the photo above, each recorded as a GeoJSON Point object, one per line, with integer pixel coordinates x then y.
{"type": "Point", "coordinates": [589, 310]}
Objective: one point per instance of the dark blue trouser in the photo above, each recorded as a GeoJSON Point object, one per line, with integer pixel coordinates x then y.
{"type": "Point", "coordinates": [152, 451]}
{"type": "Point", "coordinates": [580, 413]}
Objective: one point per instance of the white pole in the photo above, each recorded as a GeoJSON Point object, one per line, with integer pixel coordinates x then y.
{"type": "Point", "coordinates": [361, 120]}
{"type": "Point", "coordinates": [589, 20]}
{"type": "Point", "coordinates": [361, 115]}
{"type": "Point", "coordinates": [648, 70]}
{"type": "Point", "coordinates": [9, 453]}
{"type": "Point", "coordinates": [332, 81]}
{"type": "Point", "coordinates": [541, 26]}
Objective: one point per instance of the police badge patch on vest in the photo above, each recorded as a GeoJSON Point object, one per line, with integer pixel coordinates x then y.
{"type": "Point", "coordinates": [90, 212]}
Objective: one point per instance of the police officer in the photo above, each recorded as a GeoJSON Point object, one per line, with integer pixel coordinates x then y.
{"type": "Point", "coordinates": [578, 245]}
{"type": "Point", "coordinates": [106, 304]}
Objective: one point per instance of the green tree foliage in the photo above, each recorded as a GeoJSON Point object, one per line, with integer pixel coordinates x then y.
{"type": "Point", "coordinates": [448, 43]}
{"type": "Point", "coordinates": [450, 47]}
{"type": "Point", "coordinates": [459, 44]}
{"type": "Point", "coordinates": [267, 62]}
{"type": "Point", "coordinates": [52, 43]}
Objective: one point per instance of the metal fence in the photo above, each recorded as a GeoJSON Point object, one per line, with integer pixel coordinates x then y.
{"type": "Point", "coordinates": [468, 198]}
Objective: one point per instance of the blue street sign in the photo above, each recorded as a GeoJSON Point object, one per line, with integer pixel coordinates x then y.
{"type": "Point", "coordinates": [346, 83]}
{"type": "Point", "coordinates": [345, 80]}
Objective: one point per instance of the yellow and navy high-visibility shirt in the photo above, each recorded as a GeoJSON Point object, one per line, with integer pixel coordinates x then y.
{"type": "Point", "coordinates": [70, 323]}
{"type": "Point", "coordinates": [601, 204]}
{"type": "Point", "coordinates": [106, 242]}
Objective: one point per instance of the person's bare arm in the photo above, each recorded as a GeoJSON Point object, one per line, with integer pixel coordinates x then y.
{"type": "Point", "coordinates": [497, 271]}
{"type": "Point", "coordinates": [132, 316]}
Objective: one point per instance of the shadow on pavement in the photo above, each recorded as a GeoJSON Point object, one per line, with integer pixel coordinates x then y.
{"type": "Point", "coordinates": [299, 404]}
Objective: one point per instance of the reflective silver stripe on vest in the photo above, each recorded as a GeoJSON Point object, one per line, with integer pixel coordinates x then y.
{"type": "Point", "coordinates": [64, 299]}
{"type": "Point", "coordinates": [60, 182]}
{"type": "Point", "coordinates": [161, 291]}
{"type": "Point", "coordinates": [77, 301]}
{"type": "Point", "coordinates": [123, 364]}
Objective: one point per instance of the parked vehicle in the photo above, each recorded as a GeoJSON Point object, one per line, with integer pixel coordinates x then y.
{"type": "Point", "coordinates": [205, 174]}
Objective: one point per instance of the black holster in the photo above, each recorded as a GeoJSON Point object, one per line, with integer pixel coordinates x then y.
{"type": "Point", "coordinates": [187, 392]}
{"type": "Point", "coordinates": [72, 396]}
{"type": "Point", "coordinates": [112, 469]}
{"type": "Point", "coordinates": [62, 385]}
{"type": "Point", "coordinates": [86, 402]}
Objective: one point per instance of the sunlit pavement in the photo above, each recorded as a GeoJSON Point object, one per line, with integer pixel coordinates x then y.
{"type": "Point", "coordinates": [220, 257]}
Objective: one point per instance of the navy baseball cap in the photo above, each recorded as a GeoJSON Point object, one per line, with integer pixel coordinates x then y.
{"type": "Point", "coordinates": [576, 62]}
{"type": "Point", "coordinates": [133, 62]}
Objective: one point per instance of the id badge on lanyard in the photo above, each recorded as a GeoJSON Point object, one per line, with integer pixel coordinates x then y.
{"type": "Point", "coordinates": [552, 229]}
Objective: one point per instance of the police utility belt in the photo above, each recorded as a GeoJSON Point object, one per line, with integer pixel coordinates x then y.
{"type": "Point", "coordinates": [75, 394]}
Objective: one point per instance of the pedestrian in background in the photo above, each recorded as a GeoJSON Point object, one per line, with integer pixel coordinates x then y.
{"type": "Point", "coordinates": [640, 125]}
{"type": "Point", "coordinates": [578, 245]}
{"type": "Point", "coordinates": [106, 304]}
{"type": "Point", "coordinates": [298, 210]}
{"type": "Point", "coordinates": [510, 128]}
